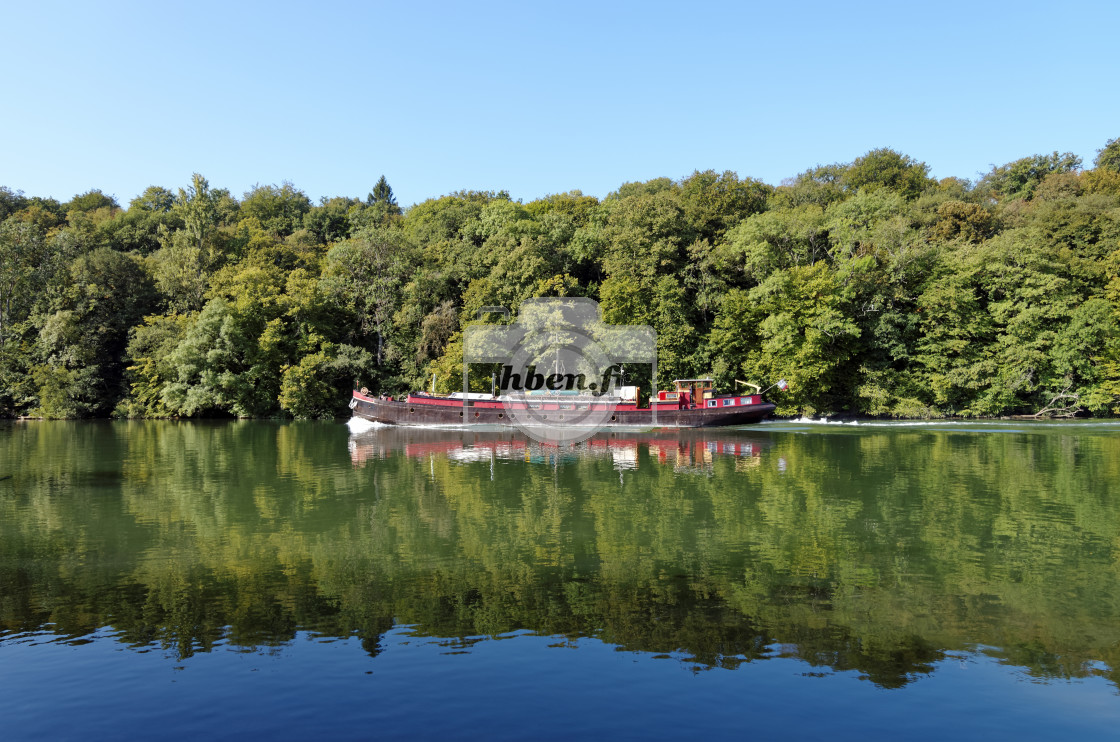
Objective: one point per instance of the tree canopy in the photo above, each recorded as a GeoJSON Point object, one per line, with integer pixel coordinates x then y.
{"type": "Point", "coordinates": [871, 287]}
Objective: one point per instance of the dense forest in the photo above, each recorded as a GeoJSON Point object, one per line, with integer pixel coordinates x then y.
{"type": "Point", "coordinates": [871, 287]}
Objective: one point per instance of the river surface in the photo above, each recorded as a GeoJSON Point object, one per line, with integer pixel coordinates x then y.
{"type": "Point", "coordinates": [785, 580]}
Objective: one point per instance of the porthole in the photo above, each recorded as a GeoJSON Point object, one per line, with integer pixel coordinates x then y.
{"type": "Point", "coordinates": [411, 409]}
{"type": "Point", "coordinates": [613, 418]}
{"type": "Point", "coordinates": [500, 415]}
{"type": "Point", "coordinates": [476, 414]}
{"type": "Point", "coordinates": [460, 414]}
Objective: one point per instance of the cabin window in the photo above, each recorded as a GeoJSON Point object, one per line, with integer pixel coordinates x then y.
{"type": "Point", "coordinates": [711, 403]}
{"type": "Point", "coordinates": [727, 402]}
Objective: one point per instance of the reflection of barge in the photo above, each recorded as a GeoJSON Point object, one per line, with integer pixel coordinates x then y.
{"type": "Point", "coordinates": [691, 404]}
{"type": "Point", "coordinates": [684, 450]}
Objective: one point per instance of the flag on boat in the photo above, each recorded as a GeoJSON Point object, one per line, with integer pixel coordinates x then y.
{"type": "Point", "coordinates": [782, 384]}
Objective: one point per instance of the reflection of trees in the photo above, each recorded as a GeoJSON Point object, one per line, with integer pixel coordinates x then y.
{"type": "Point", "coordinates": [875, 552]}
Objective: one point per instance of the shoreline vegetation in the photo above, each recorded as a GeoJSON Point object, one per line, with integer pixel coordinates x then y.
{"type": "Point", "coordinates": [875, 290]}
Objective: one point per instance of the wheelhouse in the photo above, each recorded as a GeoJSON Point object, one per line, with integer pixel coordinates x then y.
{"type": "Point", "coordinates": [700, 393]}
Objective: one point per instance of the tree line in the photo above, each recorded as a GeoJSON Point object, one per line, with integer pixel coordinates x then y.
{"type": "Point", "coordinates": [872, 288]}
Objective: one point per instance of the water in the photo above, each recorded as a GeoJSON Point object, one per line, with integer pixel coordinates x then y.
{"type": "Point", "coordinates": [787, 579]}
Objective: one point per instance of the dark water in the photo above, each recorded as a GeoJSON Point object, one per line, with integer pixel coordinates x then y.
{"type": "Point", "coordinates": [785, 580]}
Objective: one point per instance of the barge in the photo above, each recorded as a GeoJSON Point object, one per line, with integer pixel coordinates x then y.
{"type": "Point", "coordinates": [692, 403]}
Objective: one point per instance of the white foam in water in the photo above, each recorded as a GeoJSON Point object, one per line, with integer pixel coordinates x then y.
{"type": "Point", "coordinates": [988, 425]}
{"type": "Point", "coordinates": [360, 425]}
{"type": "Point", "coordinates": [821, 421]}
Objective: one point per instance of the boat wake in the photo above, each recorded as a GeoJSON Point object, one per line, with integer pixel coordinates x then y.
{"type": "Point", "coordinates": [359, 425]}
{"type": "Point", "coordinates": [960, 425]}
{"type": "Point", "coordinates": [813, 421]}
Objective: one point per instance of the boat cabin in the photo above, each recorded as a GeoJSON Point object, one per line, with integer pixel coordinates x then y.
{"type": "Point", "coordinates": [692, 393]}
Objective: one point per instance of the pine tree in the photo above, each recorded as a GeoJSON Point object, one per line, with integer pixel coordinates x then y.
{"type": "Point", "coordinates": [382, 193]}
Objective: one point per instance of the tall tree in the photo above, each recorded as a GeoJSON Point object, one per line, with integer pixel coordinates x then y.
{"type": "Point", "coordinates": [82, 344]}
{"type": "Point", "coordinates": [382, 193]}
{"type": "Point", "coordinates": [367, 273]}
{"type": "Point", "coordinates": [1108, 158]}
{"type": "Point", "coordinates": [382, 209]}
{"type": "Point", "coordinates": [23, 269]}
{"type": "Point", "coordinates": [198, 208]}
{"type": "Point", "coordinates": [886, 168]}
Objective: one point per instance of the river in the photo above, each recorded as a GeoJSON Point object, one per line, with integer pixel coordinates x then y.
{"type": "Point", "coordinates": [788, 579]}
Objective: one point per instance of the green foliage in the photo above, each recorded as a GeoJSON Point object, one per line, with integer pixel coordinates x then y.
{"type": "Point", "coordinates": [154, 199]}
{"type": "Point", "coordinates": [317, 387]}
{"type": "Point", "coordinates": [91, 200]}
{"type": "Point", "coordinates": [11, 202]}
{"type": "Point", "coordinates": [820, 186]}
{"type": "Point", "coordinates": [382, 193]}
{"type": "Point", "coordinates": [330, 220]}
{"type": "Point", "coordinates": [64, 392]}
{"type": "Point", "coordinates": [149, 219]}
{"type": "Point", "coordinates": [25, 268]}
{"type": "Point", "coordinates": [871, 288]}
{"type": "Point", "coordinates": [773, 241]}
{"type": "Point", "coordinates": [18, 392]}
{"type": "Point", "coordinates": [81, 345]}
{"type": "Point", "coordinates": [1019, 179]}
{"type": "Point", "coordinates": [647, 188]}
{"type": "Point", "coordinates": [1108, 158]}
{"type": "Point", "coordinates": [207, 365]}
{"type": "Point", "coordinates": [886, 168]}
{"type": "Point", "coordinates": [278, 209]}
{"type": "Point", "coordinates": [965, 221]}
{"type": "Point", "coordinates": [197, 206]}
{"type": "Point", "coordinates": [795, 326]}
{"type": "Point", "coordinates": [440, 220]}
{"type": "Point", "coordinates": [180, 272]}
{"type": "Point", "coordinates": [149, 351]}
{"type": "Point", "coordinates": [715, 203]}
{"type": "Point", "coordinates": [366, 274]}
{"type": "Point", "coordinates": [382, 209]}
{"type": "Point", "coordinates": [572, 204]}
{"type": "Point", "coordinates": [955, 332]}
{"type": "Point", "coordinates": [862, 221]}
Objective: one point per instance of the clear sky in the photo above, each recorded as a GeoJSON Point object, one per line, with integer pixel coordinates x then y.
{"type": "Point", "coordinates": [538, 98]}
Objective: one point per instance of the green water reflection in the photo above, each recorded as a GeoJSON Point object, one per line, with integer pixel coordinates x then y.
{"type": "Point", "coordinates": [878, 549]}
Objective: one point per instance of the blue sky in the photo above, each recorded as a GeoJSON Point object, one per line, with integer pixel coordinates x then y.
{"type": "Point", "coordinates": [538, 98]}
